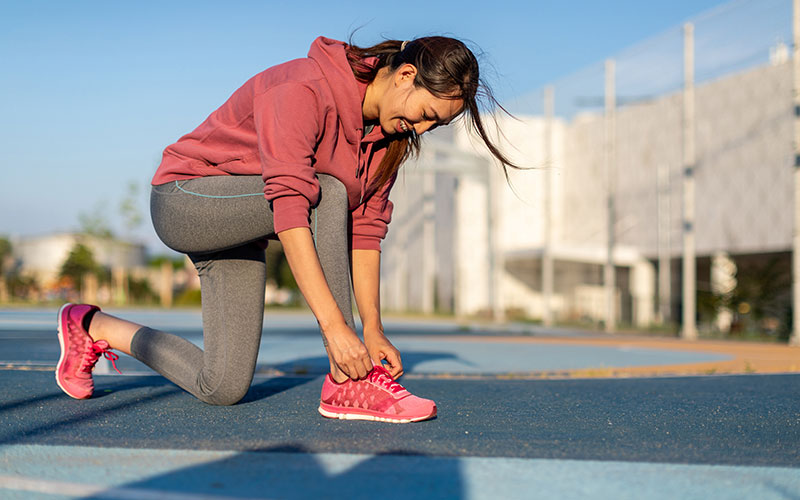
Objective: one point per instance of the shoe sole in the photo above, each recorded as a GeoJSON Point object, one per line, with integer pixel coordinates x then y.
{"type": "Point", "coordinates": [63, 352]}
{"type": "Point", "coordinates": [371, 417]}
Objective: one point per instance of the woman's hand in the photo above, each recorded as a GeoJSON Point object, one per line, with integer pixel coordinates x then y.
{"type": "Point", "coordinates": [348, 355]}
{"type": "Point", "coordinates": [347, 351]}
{"type": "Point", "coordinates": [381, 349]}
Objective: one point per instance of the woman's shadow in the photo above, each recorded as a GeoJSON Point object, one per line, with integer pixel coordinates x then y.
{"type": "Point", "coordinates": [293, 472]}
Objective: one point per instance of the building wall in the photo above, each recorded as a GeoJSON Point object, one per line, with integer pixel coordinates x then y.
{"type": "Point", "coordinates": [743, 200]}
{"type": "Point", "coordinates": [743, 173]}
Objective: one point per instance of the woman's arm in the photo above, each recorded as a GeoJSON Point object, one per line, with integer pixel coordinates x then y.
{"type": "Point", "coordinates": [366, 287]}
{"type": "Point", "coordinates": [348, 352]}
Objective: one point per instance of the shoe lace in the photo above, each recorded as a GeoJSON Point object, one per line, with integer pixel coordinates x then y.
{"type": "Point", "coordinates": [93, 353]}
{"type": "Point", "coordinates": [381, 377]}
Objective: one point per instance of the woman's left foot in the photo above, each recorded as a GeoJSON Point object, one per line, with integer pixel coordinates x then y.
{"type": "Point", "coordinates": [377, 397]}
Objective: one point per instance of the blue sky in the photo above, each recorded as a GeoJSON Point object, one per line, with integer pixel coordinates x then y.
{"type": "Point", "coordinates": [92, 91]}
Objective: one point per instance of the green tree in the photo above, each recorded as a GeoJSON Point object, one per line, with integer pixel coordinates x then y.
{"type": "Point", "coordinates": [278, 267]}
{"type": "Point", "coordinates": [79, 263]}
{"type": "Point", "coordinates": [5, 252]}
{"type": "Point", "coordinates": [128, 208]}
{"type": "Point", "coordinates": [178, 262]}
{"type": "Point", "coordinates": [95, 222]}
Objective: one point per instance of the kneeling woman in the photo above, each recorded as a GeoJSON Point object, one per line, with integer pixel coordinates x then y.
{"type": "Point", "coordinates": [306, 152]}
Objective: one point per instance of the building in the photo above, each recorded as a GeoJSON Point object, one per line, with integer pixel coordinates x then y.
{"type": "Point", "coordinates": [462, 241]}
{"type": "Point", "coordinates": [41, 257]}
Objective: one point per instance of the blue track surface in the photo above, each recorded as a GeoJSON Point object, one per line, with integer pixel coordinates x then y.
{"type": "Point", "coordinates": [141, 437]}
{"type": "Point", "coordinates": [291, 344]}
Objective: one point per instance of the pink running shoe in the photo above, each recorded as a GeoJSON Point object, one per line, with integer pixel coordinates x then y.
{"type": "Point", "coordinates": [79, 353]}
{"type": "Point", "coordinates": [377, 397]}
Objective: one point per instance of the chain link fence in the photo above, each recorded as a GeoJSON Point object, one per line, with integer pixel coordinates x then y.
{"type": "Point", "coordinates": [632, 147]}
{"type": "Point", "coordinates": [667, 173]}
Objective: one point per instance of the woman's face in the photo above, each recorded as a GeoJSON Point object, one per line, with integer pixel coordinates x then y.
{"type": "Point", "coordinates": [404, 106]}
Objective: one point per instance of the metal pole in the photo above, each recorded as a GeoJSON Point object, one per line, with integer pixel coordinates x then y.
{"type": "Point", "coordinates": [428, 242]}
{"type": "Point", "coordinates": [689, 328]}
{"type": "Point", "coordinates": [664, 245]}
{"type": "Point", "coordinates": [609, 274]}
{"type": "Point", "coordinates": [402, 258]}
{"type": "Point", "coordinates": [795, 338]}
{"type": "Point", "coordinates": [547, 255]}
{"type": "Point", "coordinates": [495, 253]}
{"type": "Point", "coordinates": [456, 265]}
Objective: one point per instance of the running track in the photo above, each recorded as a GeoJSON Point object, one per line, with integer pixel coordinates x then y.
{"type": "Point", "coordinates": [496, 436]}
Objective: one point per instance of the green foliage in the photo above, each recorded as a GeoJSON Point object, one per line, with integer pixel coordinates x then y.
{"type": "Point", "coordinates": [79, 263]}
{"type": "Point", "coordinates": [5, 252]}
{"type": "Point", "coordinates": [158, 260]}
{"type": "Point", "coordinates": [278, 267]}
{"type": "Point", "coordinates": [140, 291]}
{"type": "Point", "coordinates": [95, 223]}
{"type": "Point", "coordinates": [21, 286]}
{"type": "Point", "coordinates": [189, 297]}
{"type": "Point", "coordinates": [128, 209]}
{"type": "Point", "coordinates": [761, 301]}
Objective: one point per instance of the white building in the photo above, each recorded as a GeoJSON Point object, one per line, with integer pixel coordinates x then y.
{"type": "Point", "coordinates": [42, 256]}
{"type": "Point", "coordinates": [461, 240]}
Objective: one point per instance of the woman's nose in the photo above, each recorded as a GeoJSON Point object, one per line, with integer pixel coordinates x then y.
{"type": "Point", "coordinates": [422, 127]}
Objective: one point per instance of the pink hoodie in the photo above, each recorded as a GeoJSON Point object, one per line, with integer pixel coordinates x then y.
{"type": "Point", "coordinates": [287, 124]}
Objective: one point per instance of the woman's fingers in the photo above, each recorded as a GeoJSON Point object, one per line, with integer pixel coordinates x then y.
{"type": "Point", "coordinates": [358, 362]}
{"type": "Point", "coordinates": [392, 358]}
{"type": "Point", "coordinates": [382, 350]}
{"type": "Point", "coordinates": [348, 352]}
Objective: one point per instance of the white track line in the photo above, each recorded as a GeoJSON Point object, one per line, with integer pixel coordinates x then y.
{"type": "Point", "coordinates": [38, 485]}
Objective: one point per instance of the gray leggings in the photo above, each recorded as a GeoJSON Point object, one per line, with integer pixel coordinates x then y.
{"type": "Point", "coordinates": [217, 221]}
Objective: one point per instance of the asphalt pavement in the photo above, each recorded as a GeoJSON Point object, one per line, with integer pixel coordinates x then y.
{"type": "Point", "coordinates": [497, 435]}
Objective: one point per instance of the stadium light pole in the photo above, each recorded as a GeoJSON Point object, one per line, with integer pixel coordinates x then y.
{"type": "Point", "coordinates": [547, 254]}
{"type": "Point", "coordinates": [689, 296]}
{"type": "Point", "coordinates": [795, 336]}
{"type": "Point", "coordinates": [609, 273]}
{"type": "Point", "coordinates": [664, 245]}
{"type": "Point", "coordinates": [428, 264]}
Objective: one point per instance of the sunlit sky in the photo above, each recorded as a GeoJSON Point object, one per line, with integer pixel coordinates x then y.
{"type": "Point", "coordinates": [92, 91]}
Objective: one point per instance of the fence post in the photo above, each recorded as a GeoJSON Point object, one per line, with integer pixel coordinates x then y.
{"type": "Point", "coordinates": [664, 245]}
{"type": "Point", "coordinates": [165, 288]}
{"type": "Point", "coordinates": [609, 273]}
{"type": "Point", "coordinates": [428, 242]}
{"type": "Point", "coordinates": [795, 337]}
{"type": "Point", "coordinates": [119, 285]}
{"type": "Point", "coordinates": [689, 297]}
{"type": "Point", "coordinates": [547, 254]}
{"type": "Point", "coordinates": [496, 262]}
{"type": "Point", "coordinates": [89, 289]}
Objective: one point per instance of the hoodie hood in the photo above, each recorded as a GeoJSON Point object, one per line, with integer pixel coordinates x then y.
{"type": "Point", "coordinates": [348, 93]}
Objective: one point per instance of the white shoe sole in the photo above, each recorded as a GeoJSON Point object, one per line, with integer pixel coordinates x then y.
{"type": "Point", "coordinates": [373, 418]}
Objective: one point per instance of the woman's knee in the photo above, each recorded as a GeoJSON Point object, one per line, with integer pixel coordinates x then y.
{"type": "Point", "coordinates": [225, 397]}
{"type": "Point", "coordinates": [225, 392]}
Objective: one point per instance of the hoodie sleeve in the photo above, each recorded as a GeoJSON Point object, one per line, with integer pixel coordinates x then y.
{"type": "Point", "coordinates": [370, 222]}
{"type": "Point", "coordinates": [288, 122]}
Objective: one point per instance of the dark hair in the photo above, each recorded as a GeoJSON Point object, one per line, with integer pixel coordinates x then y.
{"type": "Point", "coordinates": [447, 69]}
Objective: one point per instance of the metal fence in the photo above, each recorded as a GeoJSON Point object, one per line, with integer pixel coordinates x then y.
{"type": "Point", "coordinates": [669, 168]}
{"type": "Point", "coordinates": [691, 134]}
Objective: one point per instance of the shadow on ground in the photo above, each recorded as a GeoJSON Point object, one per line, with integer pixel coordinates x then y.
{"type": "Point", "coordinates": [319, 365]}
{"type": "Point", "coordinates": [293, 472]}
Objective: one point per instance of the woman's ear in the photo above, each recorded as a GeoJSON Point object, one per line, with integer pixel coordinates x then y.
{"type": "Point", "coordinates": [405, 74]}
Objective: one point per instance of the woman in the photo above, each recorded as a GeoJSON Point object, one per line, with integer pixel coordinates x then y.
{"type": "Point", "coordinates": [305, 152]}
